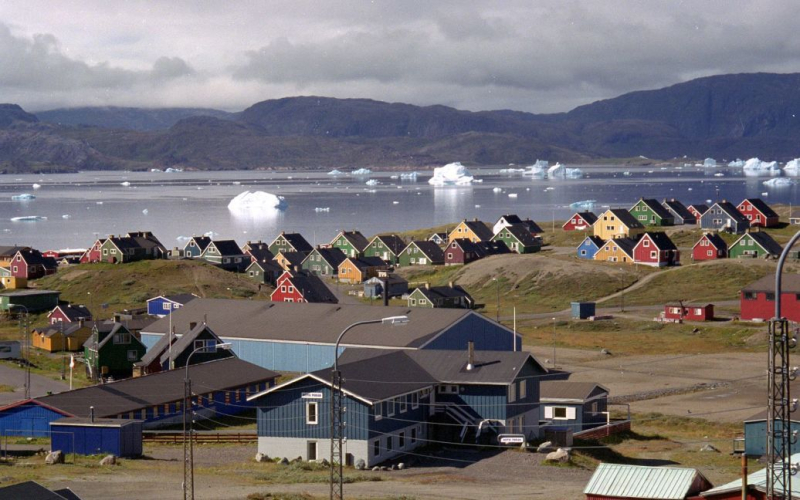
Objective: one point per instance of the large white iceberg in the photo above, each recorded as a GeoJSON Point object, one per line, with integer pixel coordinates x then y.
{"type": "Point", "coordinates": [792, 167]}
{"type": "Point", "coordinates": [754, 164]}
{"type": "Point", "coordinates": [573, 173]}
{"type": "Point", "coordinates": [252, 202]}
{"type": "Point", "coordinates": [710, 163]}
{"type": "Point", "coordinates": [372, 182]}
{"type": "Point", "coordinates": [557, 171]}
{"type": "Point", "coordinates": [583, 205]}
{"type": "Point", "coordinates": [779, 182]}
{"type": "Point", "coordinates": [452, 174]}
{"type": "Point", "coordinates": [361, 171]}
{"type": "Point", "coordinates": [738, 162]}
{"type": "Point", "coordinates": [536, 170]}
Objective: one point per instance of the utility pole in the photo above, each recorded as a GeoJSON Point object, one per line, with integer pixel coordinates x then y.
{"type": "Point", "coordinates": [554, 342]}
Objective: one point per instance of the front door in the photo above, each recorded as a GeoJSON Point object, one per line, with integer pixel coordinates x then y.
{"type": "Point", "coordinates": [311, 450]}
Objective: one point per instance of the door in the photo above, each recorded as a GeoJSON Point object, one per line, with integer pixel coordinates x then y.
{"type": "Point", "coordinates": [311, 450]}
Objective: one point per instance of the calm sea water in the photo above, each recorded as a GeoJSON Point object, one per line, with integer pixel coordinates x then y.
{"type": "Point", "coordinates": [80, 207]}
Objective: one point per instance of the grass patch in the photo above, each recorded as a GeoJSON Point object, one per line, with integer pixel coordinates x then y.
{"type": "Point", "coordinates": [7, 388]}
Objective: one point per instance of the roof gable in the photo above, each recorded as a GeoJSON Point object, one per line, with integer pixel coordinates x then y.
{"type": "Point", "coordinates": [656, 207]}
{"type": "Point", "coordinates": [355, 238]}
{"type": "Point", "coordinates": [761, 206]}
{"type": "Point", "coordinates": [729, 210]}
{"type": "Point", "coordinates": [428, 248]}
{"type": "Point", "coordinates": [521, 233]}
{"type": "Point", "coordinates": [625, 218]}
{"type": "Point", "coordinates": [678, 208]}
{"type": "Point", "coordinates": [390, 241]}
{"type": "Point", "coordinates": [715, 240]}
{"type": "Point", "coordinates": [659, 239]}
{"type": "Point", "coordinates": [763, 240]}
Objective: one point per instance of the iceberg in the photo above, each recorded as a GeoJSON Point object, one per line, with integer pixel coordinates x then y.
{"type": "Point", "coordinates": [372, 182]}
{"type": "Point", "coordinates": [322, 209]}
{"type": "Point", "coordinates": [779, 182]}
{"type": "Point", "coordinates": [583, 205]}
{"type": "Point", "coordinates": [28, 218]}
{"type": "Point", "coordinates": [543, 164]}
{"type": "Point", "coordinates": [361, 171]}
{"type": "Point", "coordinates": [512, 195]}
{"type": "Point", "coordinates": [511, 171]}
{"type": "Point", "coordinates": [574, 173]}
{"type": "Point", "coordinates": [738, 162]}
{"type": "Point", "coordinates": [792, 167]}
{"type": "Point", "coordinates": [252, 202]}
{"type": "Point", "coordinates": [497, 190]}
{"type": "Point", "coordinates": [126, 183]}
{"type": "Point", "coordinates": [170, 170]}
{"type": "Point", "coordinates": [409, 176]}
{"type": "Point", "coordinates": [156, 170]}
{"type": "Point", "coordinates": [36, 186]}
{"type": "Point", "coordinates": [335, 172]}
{"type": "Point", "coordinates": [66, 216]}
{"type": "Point", "coordinates": [709, 163]}
{"type": "Point", "coordinates": [145, 211]}
{"type": "Point", "coordinates": [452, 174]}
{"type": "Point", "coordinates": [535, 170]}
{"type": "Point", "coordinates": [23, 197]}
{"type": "Point", "coordinates": [557, 171]}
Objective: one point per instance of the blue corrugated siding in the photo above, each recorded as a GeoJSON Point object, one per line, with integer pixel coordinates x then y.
{"type": "Point", "coordinates": [120, 441]}
{"type": "Point", "coordinates": [755, 438]}
{"type": "Point", "coordinates": [399, 420]}
{"type": "Point", "coordinates": [29, 420]}
{"type": "Point", "coordinates": [530, 373]}
{"type": "Point", "coordinates": [149, 340]}
{"type": "Point", "coordinates": [487, 335]}
{"type": "Point", "coordinates": [480, 401]}
{"type": "Point", "coordinates": [587, 249]}
{"type": "Point", "coordinates": [283, 413]}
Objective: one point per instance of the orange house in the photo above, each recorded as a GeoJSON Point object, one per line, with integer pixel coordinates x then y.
{"type": "Point", "coordinates": [354, 270]}
{"type": "Point", "coordinates": [51, 339]}
{"type": "Point", "coordinates": [618, 250]}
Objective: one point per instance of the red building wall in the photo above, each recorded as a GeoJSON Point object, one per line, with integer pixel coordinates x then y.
{"type": "Point", "coordinates": [755, 217]}
{"type": "Point", "coordinates": [700, 252]}
{"type": "Point", "coordinates": [285, 290]}
{"type": "Point", "coordinates": [453, 254]}
{"type": "Point", "coordinates": [57, 316]}
{"type": "Point", "coordinates": [576, 224]}
{"type": "Point", "coordinates": [761, 308]}
{"type": "Point", "coordinates": [92, 255]}
{"type": "Point", "coordinates": [643, 254]}
{"type": "Point", "coordinates": [690, 313]}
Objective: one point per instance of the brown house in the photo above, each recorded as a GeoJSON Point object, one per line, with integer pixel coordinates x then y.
{"type": "Point", "coordinates": [62, 336]}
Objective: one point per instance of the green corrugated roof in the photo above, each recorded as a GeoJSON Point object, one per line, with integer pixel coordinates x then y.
{"type": "Point", "coordinates": [636, 481]}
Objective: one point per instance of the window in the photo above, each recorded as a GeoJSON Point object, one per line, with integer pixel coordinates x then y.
{"type": "Point", "coordinates": [207, 345]}
{"type": "Point", "coordinates": [403, 404]}
{"type": "Point", "coordinates": [447, 389]}
{"type": "Point", "coordinates": [388, 443]}
{"type": "Point", "coordinates": [770, 296]}
{"type": "Point", "coordinates": [653, 255]}
{"type": "Point", "coordinates": [312, 417]}
{"type": "Point", "coordinates": [512, 393]}
{"type": "Point", "coordinates": [560, 412]}
{"type": "Point", "coordinates": [133, 355]}
{"type": "Point", "coordinates": [413, 435]}
{"type": "Point", "coordinates": [376, 447]}
{"type": "Point", "coordinates": [390, 409]}
{"type": "Point", "coordinates": [122, 338]}
{"type": "Point", "coordinates": [291, 289]}
{"type": "Point", "coordinates": [401, 440]}
{"type": "Point", "coordinates": [523, 389]}
{"type": "Point", "coordinates": [311, 450]}
{"type": "Point", "coordinates": [646, 243]}
{"type": "Point", "coordinates": [165, 306]}
{"type": "Point", "coordinates": [594, 407]}
{"type": "Point", "coordinates": [379, 411]}
{"type": "Point", "coordinates": [415, 400]}
{"type": "Point", "coordinates": [583, 252]}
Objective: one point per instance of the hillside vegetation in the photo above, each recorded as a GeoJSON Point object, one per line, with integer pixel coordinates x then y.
{"type": "Point", "coordinates": [130, 285]}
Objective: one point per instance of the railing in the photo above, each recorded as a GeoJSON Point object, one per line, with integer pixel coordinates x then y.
{"type": "Point", "coordinates": [170, 437]}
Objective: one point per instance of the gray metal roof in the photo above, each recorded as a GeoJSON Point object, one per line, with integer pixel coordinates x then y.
{"type": "Point", "coordinates": [636, 481]}
{"type": "Point", "coordinates": [757, 481]}
{"type": "Point", "coordinates": [491, 367]}
{"type": "Point", "coordinates": [790, 283]}
{"type": "Point", "coordinates": [314, 323]}
{"type": "Point", "coordinates": [558, 389]}
{"type": "Point", "coordinates": [30, 292]}
{"type": "Point", "coordinates": [97, 422]}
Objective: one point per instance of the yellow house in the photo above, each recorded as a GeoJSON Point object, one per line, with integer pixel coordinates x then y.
{"type": "Point", "coordinates": [617, 223]}
{"type": "Point", "coordinates": [473, 230]}
{"type": "Point", "coordinates": [290, 261]}
{"type": "Point", "coordinates": [11, 282]}
{"type": "Point", "coordinates": [50, 338]}
{"type": "Point", "coordinates": [618, 250]}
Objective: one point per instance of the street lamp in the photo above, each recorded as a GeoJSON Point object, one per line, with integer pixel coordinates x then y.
{"type": "Point", "coordinates": [497, 304]}
{"type": "Point", "coordinates": [337, 426]}
{"type": "Point", "coordinates": [23, 325]}
{"type": "Point", "coordinates": [554, 342]}
{"type": "Point", "coordinates": [188, 451]}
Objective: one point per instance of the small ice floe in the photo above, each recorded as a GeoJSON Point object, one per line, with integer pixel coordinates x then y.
{"type": "Point", "coordinates": [28, 218]}
{"type": "Point", "coordinates": [765, 193]}
{"type": "Point", "coordinates": [395, 202]}
{"type": "Point", "coordinates": [477, 206]}
{"type": "Point", "coordinates": [36, 186]}
{"type": "Point", "coordinates": [322, 209]}
{"type": "Point", "coordinates": [145, 211]}
{"type": "Point", "coordinates": [512, 195]}
{"type": "Point", "coordinates": [66, 216]}
{"type": "Point", "coordinates": [626, 173]}
{"type": "Point", "coordinates": [361, 171]}
{"type": "Point", "coordinates": [170, 170]}
{"type": "Point", "coordinates": [237, 183]}
{"type": "Point", "coordinates": [372, 182]}
{"type": "Point", "coordinates": [335, 172]}
{"type": "Point", "coordinates": [409, 176]}
{"type": "Point", "coordinates": [157, 170]}
{"type": "Point", "coordinates": [126, 183]}
{"type": "Point", "coordinates": [23, 197]}
{"type": "Point", "coordinates": [738, 162]}
{"type": "Point", "coordinates": [496, 190]}
{"type": "Point", "coordinates": [98, 203]}
{"type": "Point", "coordinates": [690, 189]}
{"type": "Point", "coordinates": [394, 176]}
{"type": "Point", "coordinates": [719, 174]}
{"type": "Point", "coordinates": [549, 188]}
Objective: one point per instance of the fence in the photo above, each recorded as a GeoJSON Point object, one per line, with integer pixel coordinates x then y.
{"type": "Point", "coordinates": [604, 431]}
{"type": "Point", "coordinates": [169, 437]}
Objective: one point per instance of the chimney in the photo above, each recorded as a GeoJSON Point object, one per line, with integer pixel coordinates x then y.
{"type": "Point", "coordinates": [192, 325]}
{"type": "Point", "coordinates": [475, 219]}
{"type": "Point", "coordinates": [427, 286]}
{"type": "Point", "coordinates": [91, 413]}
{"type": "Point", "coordinates": [450, 284]}
{"type": "Point", "coordinates": [470, 355]}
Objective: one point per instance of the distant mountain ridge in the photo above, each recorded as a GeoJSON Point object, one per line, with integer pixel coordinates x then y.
{"type": "Point", "coordinates": [721, 116]}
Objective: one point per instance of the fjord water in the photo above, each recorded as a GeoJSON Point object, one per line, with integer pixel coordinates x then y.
{"type": "Point", "coordinates": [183, 204]}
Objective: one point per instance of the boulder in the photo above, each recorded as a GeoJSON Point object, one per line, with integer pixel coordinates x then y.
{"type": "Point", "coordinates": [262, 457]}
{"type": "Point", "coordinates": [560, 455]}
{"type": "Point", "coordinates": [297, 460]}
{"type": "Point", "coordinates": [108, 460]}
{"type": "Point", "coordinates": [401, 466]}
{"type": "Point", "coordinates": [708, 447]}
{"type": "Point", "coordinates": [284, 461]}
{"type": "Point", "coordinates": [383, 469]}
{"type": "Point", "coordinates": [324, 462]}
{"type": "Point", "coordinates": [605, 352]}
{"type": "Point", "coordinates": [376, 469]}
{"type": "Point", "coordinates": [393, 467]}
{"type": "Point", "coordinates": [54, 457]}
{"type": "Point", "coordinates": [361, 464]}
{"type": "Point", "coordinates": [545, 447]}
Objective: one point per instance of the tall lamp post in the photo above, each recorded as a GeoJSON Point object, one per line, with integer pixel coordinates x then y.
{"type": "Point", "coordinates": [337, 425]}
{"type": "Point", "coordinates": [23, 326]}
{"type": "Point", "coordinates": [554, 342]}
{"type": "Point", "coordinates": [188, 420]}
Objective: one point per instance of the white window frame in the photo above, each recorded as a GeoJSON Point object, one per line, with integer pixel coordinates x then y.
{"type": "Point", "coordinates": [512, 392]}
{"type": "Point", "coordinates": [523, 389]}
{"type": "Point", "coordinates": [390, 408]}
{"type": "Point", "coordinates": [309, 420]}
{"type": "Point", "coordinates": [414, 400]}
{"type": "Point", "coordinates": [133, 355]}
{"type": "Point", "coordinates": [403, 404]}
{"type": "Point", "coordinates": [378, 411]}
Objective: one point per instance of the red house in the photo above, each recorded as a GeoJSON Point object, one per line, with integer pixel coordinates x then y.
{"type": "Point", "coordinates": [677, 312]}
{"type": "Point", "coordinates": [710, 246]}
{"type": "Point", "coordinates": [94, 253]}
{"type": "Point", "coordinates": [757, 300]}
{"type": "Point", "coordinates": [31, 264]}
{"type": "Point", "coordinates": [698, 209]}
{"type": "Point", "coordinates": [292, 286]}
{"type": "Point", "coordinates": [758, 213]}
{"type": "Point", "coordinates": [69, 314]}
{"type": "Point", "coordinates": [580, 221]}
{"type": "Point", "coordinates": [656, 249]}
{"type": "Point", "coordinates": [461, 251]}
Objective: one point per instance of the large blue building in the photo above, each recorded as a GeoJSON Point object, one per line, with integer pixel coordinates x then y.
{"type": "Point", "coordinates": [396, 401]}
{"type": "Point", "coordinates": [298, 337]}
{"type": "Point", "coordinates": [28, 418]}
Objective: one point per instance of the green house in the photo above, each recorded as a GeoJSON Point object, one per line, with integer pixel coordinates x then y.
{"type": "Point", "coordinates": [755, 245]}
{"type": "Point", "coordinates": [263, 272]}
{"type": "Point", "coordinates": [386, 248]}
{"type": "Point", "coordinates": [111, 351]}
{"type": "Point", "coordinates": [518, 238]}
{"type": "Point", "coordinates": [289, 242]}
{"type": "Point", "coordinates": [451, 296]}
{"type": "Point", "coordinates": [351, 243]}
{"type": "Point", "coordinates": [421, 253]}
{"type": "Point", "coordinates": [30, 299]}
{"type": "Point", "coordinates": [650, 212]}
{"type": "Point", "coordinates": [323, 261]}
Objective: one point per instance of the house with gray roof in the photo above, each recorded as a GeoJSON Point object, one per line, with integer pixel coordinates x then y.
{"type": "Point", "coordinates": [724, 216]}
{"type": "Point", "coordinates": [163, 356]}
{"type": "Point", "coordinates": [577, 406]}
{"type": "Point", "coordinates": [399, 400]}
{"type": "Point", "coordinates": [622, 481]}
{"type": "Point", "coordinates": [679, 212]}
{"type": "Point", "coordinates": [301, 337]}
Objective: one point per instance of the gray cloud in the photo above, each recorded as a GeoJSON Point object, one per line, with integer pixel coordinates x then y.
{"type": "Point", "coordinates": [542, 56]}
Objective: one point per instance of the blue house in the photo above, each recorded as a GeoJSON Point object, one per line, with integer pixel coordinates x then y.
{"type": "Point", "coordinates": [589, 247]}
{"type": "Point", "coordinates": [397, 401]}
{"type": "Point", "coordinates": [88, 436]}
{"type": "Point", "coordinates": [724, 216]}
{"type": "Point", "coordinates": [577, 406]}
{"type": "Point", "coordinates": [195, 247]}
{"type": "Point", "coordinates": [300, 337]}
{"type": "Point", "coordinates": [755, 435]}
{"type": "Point", "coordinates": [28, 418]}
{"type": "Point", "coordinates": [219, 388]}
{"type": "Point", "coordinates": [163, 305]}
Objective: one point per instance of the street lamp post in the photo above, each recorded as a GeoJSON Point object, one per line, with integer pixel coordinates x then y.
{"type": "Point", "coordinates": [497, 303]}
{"type": "Point", "coordinates": [554, 342]}
{"type": "Point", "coordinates": [23, 325]}
{"type": "Point", "coordinates": [188, 451]}
{"type": "Point", "coordinates": [337, 425]}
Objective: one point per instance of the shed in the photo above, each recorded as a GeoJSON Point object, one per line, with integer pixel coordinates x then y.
{"type": "Point", "coordinates": [32, 300]}
{"type": "Point", "coordinates": [582, 310]}
{"type": "Point", "coordinates": [86, 436]}
{"type": "Point", "coordinates": [618, 481]}
{"type": "Point", "coordinates": [9, 349]}
{"type": "Point", "coordinates": [28, 418]}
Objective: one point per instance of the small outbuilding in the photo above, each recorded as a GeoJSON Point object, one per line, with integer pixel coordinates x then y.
{"type": "Point", "coordinates": [688, 312]}
{"type": "Point", "coordinates": [582, 310]}
{"type": "Point", "coordinates": [618, 481]}
{"type": "Point", "coordinates": [99, 436]}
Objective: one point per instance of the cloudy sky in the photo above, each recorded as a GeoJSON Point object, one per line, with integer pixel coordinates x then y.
{"type": "Point", "coordinates": [539, 56]}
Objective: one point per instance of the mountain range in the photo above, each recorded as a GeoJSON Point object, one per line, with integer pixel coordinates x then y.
{"type": "Point", "coordinates": [725, 116]}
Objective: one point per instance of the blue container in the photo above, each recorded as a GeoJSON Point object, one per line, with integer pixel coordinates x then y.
{"type": "Point", "coordinates": [101, 436]}
{"type": "Point", "coordinates": [583, 310]}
